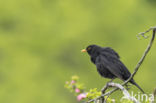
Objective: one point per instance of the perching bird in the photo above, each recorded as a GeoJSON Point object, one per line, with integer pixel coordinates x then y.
{"type": "Point", "coordinates": [108, 63]}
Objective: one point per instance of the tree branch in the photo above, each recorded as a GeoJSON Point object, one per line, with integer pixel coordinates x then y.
{"type": "Point", "coordinates": [136, 68]}
{"type": "Point", "coordinates": [125, 92]}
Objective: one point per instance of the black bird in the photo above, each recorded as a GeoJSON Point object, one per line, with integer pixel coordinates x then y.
{"type": "Point", "coordinates": [108, 63]}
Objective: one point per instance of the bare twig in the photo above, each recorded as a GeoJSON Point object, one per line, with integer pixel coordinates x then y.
{"type": "Point", "coordinates": [104, 88]}
{"type": "Point", "coordinates": [136, 68]}
{"type": "Point", "coordinates": [154, 94]}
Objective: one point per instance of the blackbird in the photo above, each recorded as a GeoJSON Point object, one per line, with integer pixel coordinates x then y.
{"type": "Point", "coordinates": [108, 63]}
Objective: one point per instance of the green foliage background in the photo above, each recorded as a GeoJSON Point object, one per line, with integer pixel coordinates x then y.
{"type": "Point", "coordinates": [40, 43]}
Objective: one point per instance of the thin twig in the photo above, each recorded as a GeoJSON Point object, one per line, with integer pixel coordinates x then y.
{"type": "Point", "coordinates": [137, 66]}
{"type": "Point", "coordinates": [154, 94]}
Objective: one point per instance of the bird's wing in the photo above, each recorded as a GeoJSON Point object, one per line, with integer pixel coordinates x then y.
{"type": "Point", "coordinates": [110, 51]}
{"type": "Point", "coordinates": [114, 65]}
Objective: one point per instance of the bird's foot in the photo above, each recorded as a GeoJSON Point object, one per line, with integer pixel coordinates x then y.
{"type": "Point", "coordinates": [110, 81]}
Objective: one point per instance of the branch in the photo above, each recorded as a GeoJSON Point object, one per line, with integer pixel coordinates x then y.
{"type": "Point", "coordinates": [154, 94]}
{"type": "Point", "coordinates": [119, 86]}
{"type": "Point", "coordinates": [125, 92]}
{"type": "Point", "coordinates": [137, 66]}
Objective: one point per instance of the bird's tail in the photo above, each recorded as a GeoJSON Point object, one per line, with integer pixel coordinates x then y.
{"type": "Point", "coordinates": [133, 82]}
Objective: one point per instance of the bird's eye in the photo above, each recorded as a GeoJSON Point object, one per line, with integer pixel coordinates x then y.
{"type": "Point", "coordinates": [89, 48]}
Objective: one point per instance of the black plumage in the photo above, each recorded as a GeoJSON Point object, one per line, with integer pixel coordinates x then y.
{"type": "Point", "coordinates": [108, 63]}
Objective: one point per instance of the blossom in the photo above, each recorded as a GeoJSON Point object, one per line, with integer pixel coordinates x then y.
{"type": "Point", "coordinates": [72, 82]}
{"type": "Point", "coordinates": [77, 90]}
{"type": "Point", "coordinates": [81, 96]}
{"type": "Point", "coordinates": [67, 82]}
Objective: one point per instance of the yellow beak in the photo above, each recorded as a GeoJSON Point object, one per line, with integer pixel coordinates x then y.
{"type": "Point", "coordinates": [83, 50]}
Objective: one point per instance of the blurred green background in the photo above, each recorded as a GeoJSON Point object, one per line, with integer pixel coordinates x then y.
{"type": "Point", "coordinates": [40, 43]}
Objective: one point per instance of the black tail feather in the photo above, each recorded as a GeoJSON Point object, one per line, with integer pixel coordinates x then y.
{"type": "Point", "coordinates": [134, 83]}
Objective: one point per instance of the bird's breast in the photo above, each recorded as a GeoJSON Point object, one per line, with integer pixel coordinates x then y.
{"type": "Point", "coordinates": [104, 72]}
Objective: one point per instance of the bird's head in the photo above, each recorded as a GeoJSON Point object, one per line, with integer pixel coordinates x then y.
{"type": "Point", "coordinates": [92, 50]}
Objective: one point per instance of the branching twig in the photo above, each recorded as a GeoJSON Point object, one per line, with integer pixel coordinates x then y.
{"type": "Point", "coordinates": [125, 92]}
{"type": "Point", "coordinates": [136, 68]}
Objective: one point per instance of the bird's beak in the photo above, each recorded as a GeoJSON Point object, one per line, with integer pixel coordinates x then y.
{"type": "Point", "coordinates": [83, 50]}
